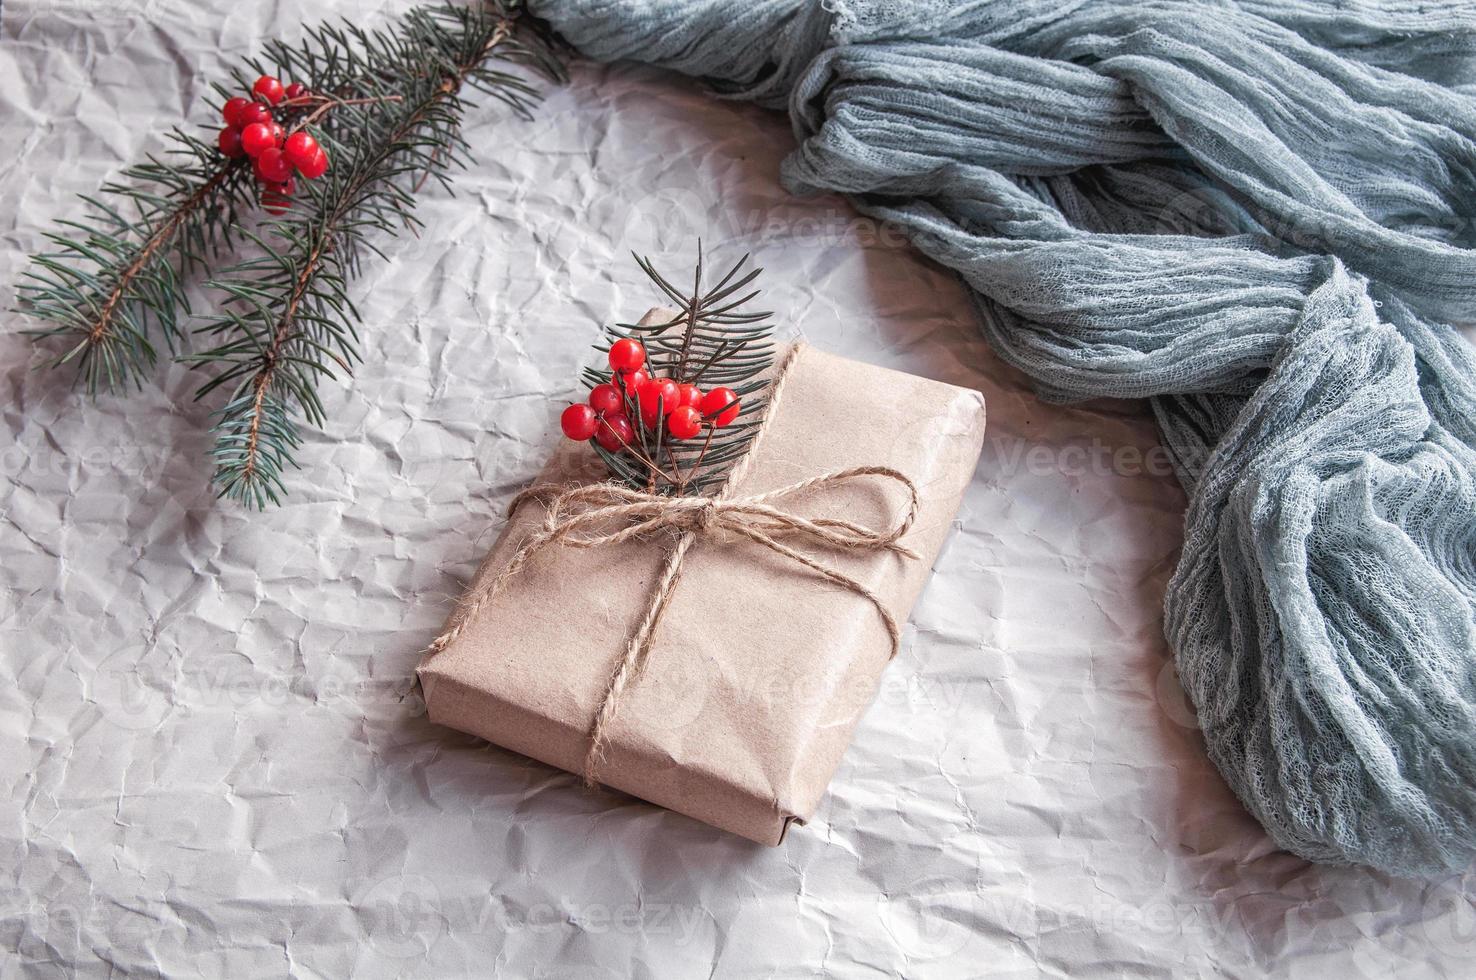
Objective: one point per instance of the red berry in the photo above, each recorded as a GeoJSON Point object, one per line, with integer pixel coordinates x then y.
{"type": "Point", "coordinates": [275, 199]}
{"type": "Point", "coordinates": [578, 422]}
{"type": "Point", "coordinates": [689, 394]}
{"type": "Point", "coordinates": [272, 167]}
{"type": "Point", "coordinates": [614, 433]}
{"type": "Point", "coordinates": [300, 149]}
{"type": "Point", "coordinates": [279, 135]}
{"type": "Point", "coordinates": [231, 111]}
{"type": "Point", "coordinates": [268, 88]}
{"type": "Point", "coordinates": [684, 423]}
{"type": "Point", "coordinates": [720, 405]}
{"type": "Point", "coordinates": [257, 139]}
{"type": "Point", "coordinates": [627, 355]}
{"type": "Point", "coordinates": [607, 400]}
{"type": "Point", "coordinates": [229, 142]}
{"type": "Point", "coordinates": [631, 381]}
{"type": "Point", "coordinates": [657, 396]}
{"type": "Point", "coordinates": [296, 90]}
{"type": "Point", "coordinates": [316, 166]}
{"type": "Point", "coordinates": [252, 112]}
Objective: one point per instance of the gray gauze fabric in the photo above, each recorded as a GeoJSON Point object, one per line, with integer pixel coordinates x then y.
{"type": "Point", "coordinates": [1258, 216]}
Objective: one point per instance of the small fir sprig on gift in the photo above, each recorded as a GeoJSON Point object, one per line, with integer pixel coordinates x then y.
{"type": "Point", "coordinates": [387, 105]}
{"type": "Point", "coordinates": [680, 400]}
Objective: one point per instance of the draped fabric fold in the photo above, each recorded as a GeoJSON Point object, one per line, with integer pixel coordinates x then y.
{"type": "Point", "coordinates": [1257, 214]}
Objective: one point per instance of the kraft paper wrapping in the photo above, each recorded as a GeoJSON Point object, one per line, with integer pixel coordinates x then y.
{"type": "Point", "coordinates": [759, 669]}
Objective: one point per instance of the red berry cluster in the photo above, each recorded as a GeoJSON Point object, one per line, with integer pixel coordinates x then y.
{"type": "Point", "coordinates": [632, 392]}
{"type": "Point", "coordinates": [252, 131]}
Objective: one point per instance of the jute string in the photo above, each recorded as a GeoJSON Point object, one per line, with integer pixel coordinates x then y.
{"type": "Point", "coordinates": [582, 517]}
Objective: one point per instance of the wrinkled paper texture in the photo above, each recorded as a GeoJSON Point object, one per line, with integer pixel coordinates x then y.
{"type": "Point", "coordinates": [206, 765]}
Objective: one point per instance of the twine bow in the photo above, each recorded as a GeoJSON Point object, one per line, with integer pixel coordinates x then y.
{"type": "Point", "coordinates": [603, 514]}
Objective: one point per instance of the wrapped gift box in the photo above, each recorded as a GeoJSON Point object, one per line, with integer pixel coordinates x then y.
{"type": "Point", "coordinates": [759, 668]}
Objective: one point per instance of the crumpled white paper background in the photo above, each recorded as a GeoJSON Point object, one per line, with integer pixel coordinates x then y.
{"type": "Point", "coordinates": [206, 767]}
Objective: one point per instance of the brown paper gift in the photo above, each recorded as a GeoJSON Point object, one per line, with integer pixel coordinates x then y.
{"type": "Point", "coordinates": [758, 668]}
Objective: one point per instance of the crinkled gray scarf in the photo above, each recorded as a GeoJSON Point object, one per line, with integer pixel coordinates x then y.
{"type": "Point", "coordinates": [1257, 215]}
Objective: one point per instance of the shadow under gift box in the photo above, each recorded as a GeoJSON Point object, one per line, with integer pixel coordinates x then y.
{"type": "Point", "coordinates": [759, 669]}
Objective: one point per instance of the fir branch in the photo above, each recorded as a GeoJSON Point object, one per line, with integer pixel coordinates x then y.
{"type": "Point", "coordinates": [116, 279]}
{"type": "Point", "coordinates": [388, 105]}
{"type": "Point", "coordinates": [288, 320]}
{"type": "Point", "coordinates": [117, 274]}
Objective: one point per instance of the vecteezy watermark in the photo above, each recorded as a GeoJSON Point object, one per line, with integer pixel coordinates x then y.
{"type": "Point", "coordinates": [1448, 916]}
{"type": "Point", "coordinates": [1204, 212]}
{"type": "Point", "coordinates": [841, 700]}
{"type": "Point", "coordinates": [143, 465]}
{"type": "Point", "coordinates": [58, 933]}
{"type": "Point", "coordinates": [404, 915]}
{"type": "Point", "coordinates": [673, 218]}
{"type": "Point", "coordinates": [941, 919]}
{"type": "Point", "coordinates": [931, 919]}
{"type": "Point", "coordinates": [679, 922]}
{"type": "Point", "coordinates": [1173, 699]}
{"type": "Point", "coordinates": [98, 9]}
{"type": "Point", "coordinates": [139, 696]}
{"type": "Point", "coordinates": [1014, 457]}
{"type": "Point", "coordinates": [1218, 212]}
{"type": "Point", "coordinates": [668, 695]}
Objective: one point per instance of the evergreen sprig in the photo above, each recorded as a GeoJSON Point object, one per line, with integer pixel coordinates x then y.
{"type": "Point", "coordinates": [388, 104]}
{"type": "Point", "coordinates": [288, 320]}
{"type": "Point", "coordinates": [711, 341]}
{"type": "Point", "coordinates": [115, 283]}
